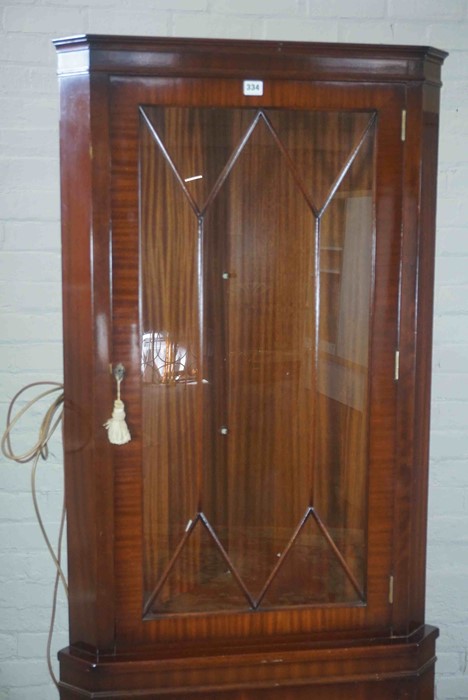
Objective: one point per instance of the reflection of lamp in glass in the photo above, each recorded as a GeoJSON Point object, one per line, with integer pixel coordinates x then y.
{"type": "Point", "coordinates": [164, 361]}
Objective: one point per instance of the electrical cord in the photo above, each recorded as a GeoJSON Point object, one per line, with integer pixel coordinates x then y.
{"type": "Point", "coordinates": [49, 424]}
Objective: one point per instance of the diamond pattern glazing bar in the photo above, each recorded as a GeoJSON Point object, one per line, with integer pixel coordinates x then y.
{"type": "Point", "coordinates": [265, 191]}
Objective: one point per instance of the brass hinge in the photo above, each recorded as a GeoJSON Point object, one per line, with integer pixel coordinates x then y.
{"type": "Point", "coordinates": [390, 590]}
{"type": "Point", "coordinates": [403, 124]}
{"type": "Point", "coordinates": [397, 365]}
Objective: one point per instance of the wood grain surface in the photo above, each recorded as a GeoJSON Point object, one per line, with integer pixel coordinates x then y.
{"type": "Point", "coordinates": [257, 311]}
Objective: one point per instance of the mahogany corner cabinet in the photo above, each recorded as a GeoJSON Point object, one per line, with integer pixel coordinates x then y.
{"type": "Point", "coordinates": [248, 228]}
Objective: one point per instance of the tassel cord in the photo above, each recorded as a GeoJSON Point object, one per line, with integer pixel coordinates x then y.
{"type": "Point", "coordinates": [117, 429]}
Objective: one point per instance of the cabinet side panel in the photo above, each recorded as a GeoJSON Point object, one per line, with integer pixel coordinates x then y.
{"type": "Point", "coordinates": [430, 130]}
{"type": "Point", "coordinates": [415, 338]}
{"type": "Point", "coordinates": [85, 335]}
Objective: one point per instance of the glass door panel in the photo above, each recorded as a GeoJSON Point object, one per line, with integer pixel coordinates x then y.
{"type": "Point", "coordinates": [257, 236]}
{"type": "Point", "coordinates": [346, 232]}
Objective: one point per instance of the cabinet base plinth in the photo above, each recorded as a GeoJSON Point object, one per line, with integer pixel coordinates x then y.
{"type": "Point", "coordinates": [397, 668]}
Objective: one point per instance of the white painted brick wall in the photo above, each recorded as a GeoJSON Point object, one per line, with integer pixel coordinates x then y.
{"type": "Point", "coordinates": [30, 342]}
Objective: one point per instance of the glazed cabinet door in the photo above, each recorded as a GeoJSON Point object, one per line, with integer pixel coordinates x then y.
{"type": "Point", "coordinates": [255, 263]}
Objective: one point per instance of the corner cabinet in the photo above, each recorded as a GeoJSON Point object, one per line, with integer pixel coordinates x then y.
{"type": "Point", "coordinates": [248, 227]}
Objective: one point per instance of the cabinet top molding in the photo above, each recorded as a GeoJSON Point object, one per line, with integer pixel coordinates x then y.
{"type": "Point", "coordinates": [167, 56]}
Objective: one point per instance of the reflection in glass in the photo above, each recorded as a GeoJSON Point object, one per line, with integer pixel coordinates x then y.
{"type": "Point", "coordinates": [164, 361]}
{"type": "Point", "coordinates": [257, 235]}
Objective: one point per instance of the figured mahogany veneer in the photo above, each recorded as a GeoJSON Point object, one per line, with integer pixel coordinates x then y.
{"type": "Point", "coordinates": [258, 263]}
{"type": "Point", "coordinates": [377, 669]}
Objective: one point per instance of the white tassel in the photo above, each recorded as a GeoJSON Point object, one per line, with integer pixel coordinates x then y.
{"type": "Point", "coordinates": [117, 429]}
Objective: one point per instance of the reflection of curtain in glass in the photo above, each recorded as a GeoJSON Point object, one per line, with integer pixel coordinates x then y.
{"type": "Point", "coordinates": [353, 315]}
{"type": "Point", "coordinates": [347, 240]}
{"type": "Point", "coordinates": [169, 237]}
{"type": "Point", "coordinates": [168, 231]}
